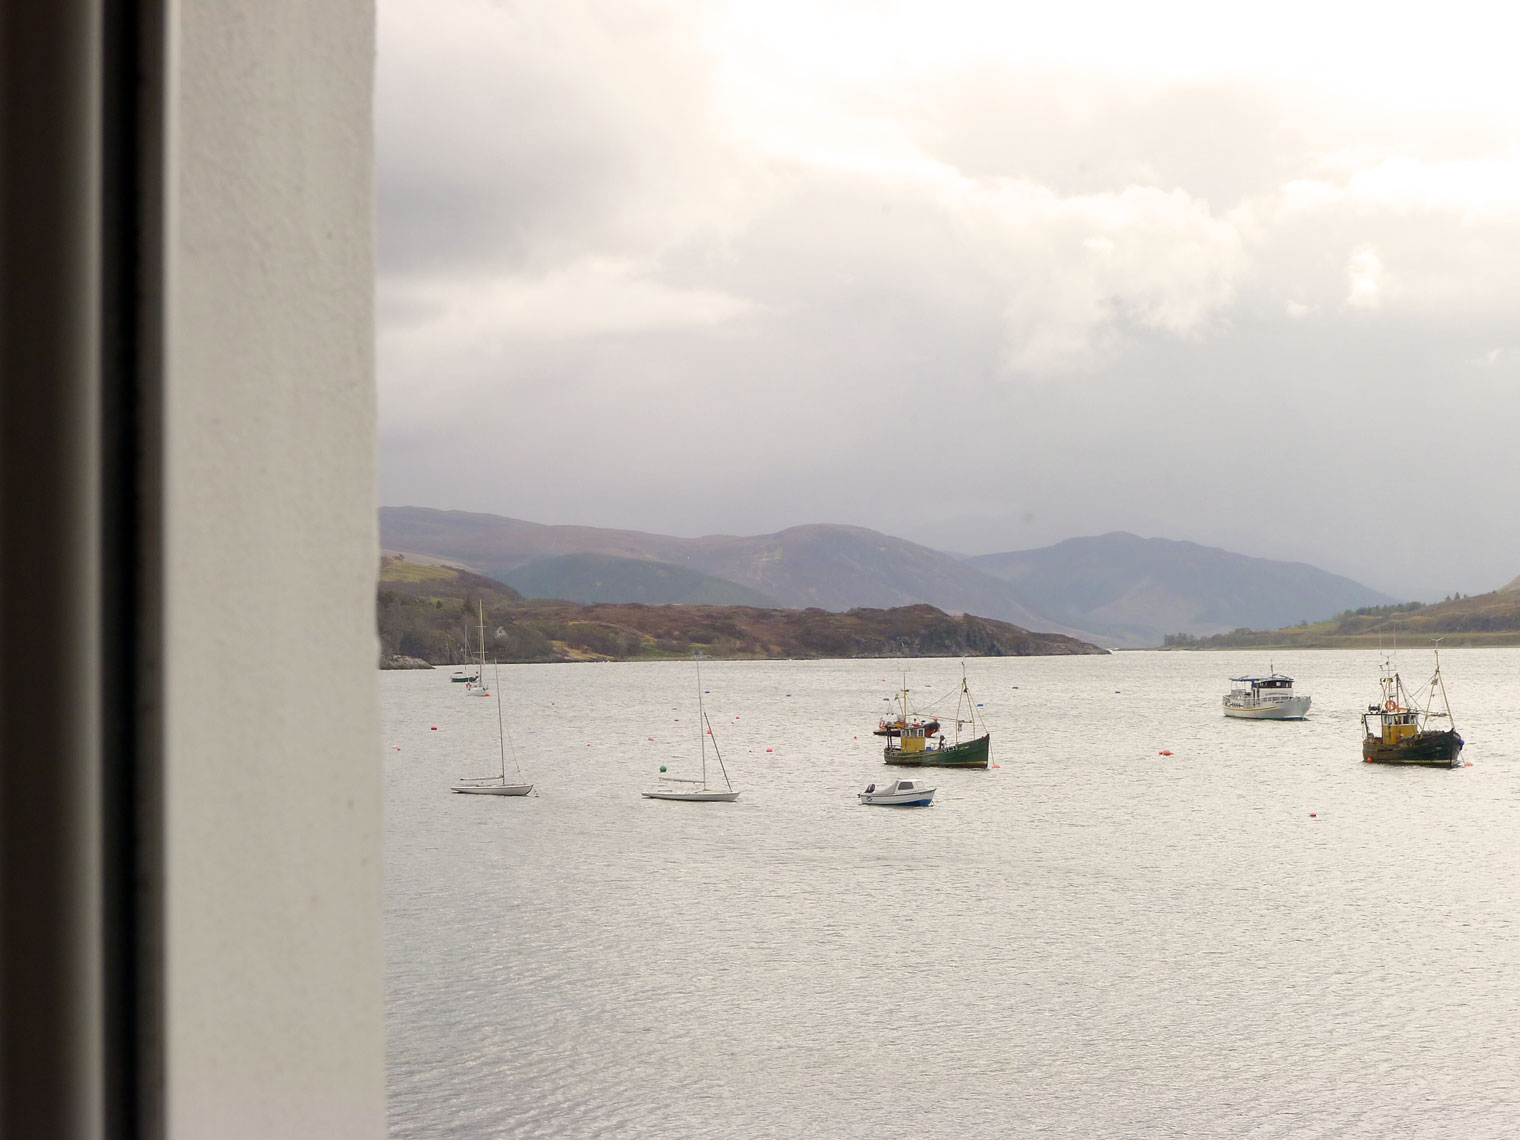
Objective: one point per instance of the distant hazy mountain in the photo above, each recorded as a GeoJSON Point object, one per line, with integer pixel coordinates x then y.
{"type": "Point", "coordinates": [1140, 589]}
{"type": "Point", "coordinates": [830, 567]}
{"type": "Point", "coordinates": [602, 578]}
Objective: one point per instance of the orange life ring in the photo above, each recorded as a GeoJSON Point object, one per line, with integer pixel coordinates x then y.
{"type": "Point", "coordinates": [1390, 704]}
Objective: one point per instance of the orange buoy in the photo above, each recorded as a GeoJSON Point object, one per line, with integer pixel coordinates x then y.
{"type": "Point", "coordinates": [997, 765]}
{"type": "Point", "coordinates": [650, 738]}
{"type": "Point", "coordinates": [767, 749]}
{"type": "Point", "coordinates": [1467, 763]}
{"type": "Point", "coordinates": [1166, 752]}
{"type": "Point", "coordinates": [435, 728]}
{"type": "Point", "coordinates": [1313, 815]}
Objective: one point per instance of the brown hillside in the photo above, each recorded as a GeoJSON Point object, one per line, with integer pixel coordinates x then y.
{"type": "Point", "coordinates": [432, 613]}
{"type": "Point", "coordinates": [1485, 619]}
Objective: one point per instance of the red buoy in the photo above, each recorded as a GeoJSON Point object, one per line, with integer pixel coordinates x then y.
{"type": "Point", "coordinates": [435, 728]}
{"type": "Point", "coordinates": [1313, 814]}
{"type": "Point", "coordinates": [1166, 752]}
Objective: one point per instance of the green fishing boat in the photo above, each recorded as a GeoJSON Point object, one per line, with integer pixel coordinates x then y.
{"type": "Point", "coordinates": [1399, 729]}
{"type": "Point", "coordinates": [917, 740]}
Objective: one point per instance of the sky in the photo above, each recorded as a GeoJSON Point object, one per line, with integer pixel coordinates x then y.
{"type": "Point", "coordinates": [975, 275]}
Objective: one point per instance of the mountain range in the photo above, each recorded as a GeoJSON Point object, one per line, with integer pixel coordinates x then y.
{"type": "Point", "coordinates": [1117, 589]}
{"type": "Point", "coordinates": [1136, 588]}
{"type": "Point", "coordinates": [828, 566]}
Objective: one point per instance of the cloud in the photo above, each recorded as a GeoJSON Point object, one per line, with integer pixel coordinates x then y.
{"type": "Point", "coordinates": [519, 136]}
{"type": "Point", "coordinates": [589, 297]}
{"type": "Point", "coordinates": [1365, 274]}
{"type": "Point", "coordinates": [795, 248]}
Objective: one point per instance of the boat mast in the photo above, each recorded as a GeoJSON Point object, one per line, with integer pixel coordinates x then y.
{"type": "Point", "coordinates": [703, 726]}
{"type": "Point", "coordinates": [1441, 681]}
{"type": "Point", "coordinates": [481, 603]}
{"type": "Point", "coordinates": [965, 697]}
{"type": "Point", "coordinates": [501, 732]}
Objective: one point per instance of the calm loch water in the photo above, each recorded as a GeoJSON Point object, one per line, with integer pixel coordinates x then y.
{"type": "Point", "coordinates": [1091, 940]}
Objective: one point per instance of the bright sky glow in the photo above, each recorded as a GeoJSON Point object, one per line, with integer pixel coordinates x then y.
{"type": "Point", "coordinates": [1080, 222]}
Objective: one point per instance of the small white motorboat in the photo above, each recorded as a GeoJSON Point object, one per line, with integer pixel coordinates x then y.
{"type": "Point", "coordinates": [898, 793]}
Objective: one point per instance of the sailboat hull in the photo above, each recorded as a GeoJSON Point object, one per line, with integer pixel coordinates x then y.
{"type": "Point", "coordinates": [971, 754]}
{"type": "Point", "coordinates": [702, 797]}
{"type": "Point", "coordinates": [493, 789]}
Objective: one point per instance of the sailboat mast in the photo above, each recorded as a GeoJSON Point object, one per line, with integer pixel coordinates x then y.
{"type": "Point", "coordinates": [703, 728]}
{"type": "Point", "coordinates": [501, 732]}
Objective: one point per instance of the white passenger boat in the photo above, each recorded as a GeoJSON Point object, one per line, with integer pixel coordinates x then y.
{"type": "Point", "coordinates": [1265, 698]}
{"type": "Point", "coordinates": [898, 793]}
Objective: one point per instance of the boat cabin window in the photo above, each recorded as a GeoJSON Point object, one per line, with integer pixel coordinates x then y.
{"type": "Point", "coordinates": [906, 785]}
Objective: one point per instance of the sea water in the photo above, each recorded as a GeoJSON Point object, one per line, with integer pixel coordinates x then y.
{"type": "Point", "coordinates": [1257, 935]}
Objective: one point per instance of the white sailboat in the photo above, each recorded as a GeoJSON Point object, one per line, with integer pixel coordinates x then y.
{"type": "Point", "coordinates": [496, 785]}
{"type": "Point", "coordinates": [477, 687]}
{"type": "Point", "coordinates": [699, 791]}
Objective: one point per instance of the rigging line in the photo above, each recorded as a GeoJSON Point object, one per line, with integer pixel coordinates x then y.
{"type": "Point", "coordinates": [501, 731]}
{"type": "Point", "coordinates": [721, 766]}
